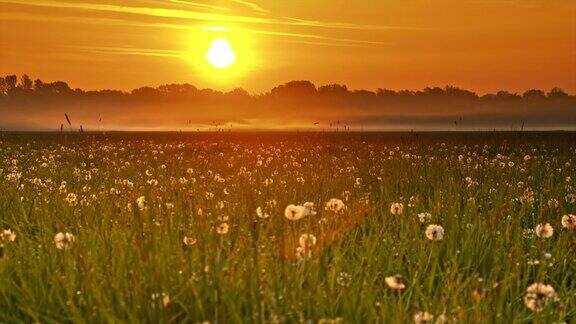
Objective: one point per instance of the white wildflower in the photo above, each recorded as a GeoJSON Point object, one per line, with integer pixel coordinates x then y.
{"type": "Point", "coordinates": [396, 208]}
{"type": "Point", "coordinates": [544, 231]}
{"type": "Point", "coordinates": [294, 212]}
{"type": "Point", "coordinates": [538, 295]}
{"type": "Point", "coordinates": [434, 232]}
{"type": "Point", "coordinates": [64, 241]}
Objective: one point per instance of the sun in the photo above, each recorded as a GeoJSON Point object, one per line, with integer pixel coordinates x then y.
{"type": "Point", "coordinates": [220, 54]}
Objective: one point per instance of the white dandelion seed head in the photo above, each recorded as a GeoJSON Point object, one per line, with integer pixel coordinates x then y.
{"type": "Point", "coordinates": [303, 253]}
{"type": "Point", "coordinates": [396, 208]}
{"type": "Point", "coordinates": [424, 217]}
{"type": "Point", "coordinates": [222, 229]}
{"type": "Point", "coordinates": [307, 240]}
{"type": "Point", "coordinates": [434, 232]}
{"type": "Point", "coordinates": [309, 209]}
{"type": "Point", "coordinates": [261, 213]}
{"type": "Point", "coordinates": [335, 205]}
{"type": "Point", "coordinates": [423, 318]}
{"type": "Point", "coordinates": [544, 231]}
{"type": "Point", "coordinates": [293, 212]}
{"type": "Point", "coordinates": [189, 241]}
{"type": "Point", "coordinates": [7, 235]}
{"type": "Point", "coordinates": [141, 203]}
{"type": "Point", "coordinates": [395, 282]}
{"type": "Point", "coordinates": [64, 241]}
{"type": "Point", "coordinates": [538, 295]}
{"type": "Point", "coordinates": [569, 221]}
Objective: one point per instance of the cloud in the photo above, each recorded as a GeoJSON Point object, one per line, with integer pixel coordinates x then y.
{"type": "Point", "coordinates": [131, 51]}
{"type": "Point", "coordinates": [305, 38]}
{"type": "Point", "coordinates": [252, 6]}
{"type": "Point", "coordinates": [198, 5]}
{"type": "Point", "coordinates": [162, 12]}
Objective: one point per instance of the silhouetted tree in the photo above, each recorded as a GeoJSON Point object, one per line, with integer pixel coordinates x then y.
{"type": "Point", "coordinates": [386, 93]}
{"type": "Point", "coordinates": [238, 94]}
{"type": "Point", "coordinates": [505, 95]}
{"type": "Point", "coordinates": [25, 83]}
{"type": "Point", "coordinates": [3, 87]}
{"type": "Point", "coordinates": [333, 90]}
{"type": "Point", "coordinates": [294, 89]}
{"type": "Point", "coordinates": [456, 92]}
{"type": "Point", "coordinates": [11, 81]}
{"type": "Point", "coordinates": [534, 94]}
{"type": "Point", "coordinates": [38, 85]}
{"type": "Point", "coordinates": [557, 93]}
{"type": "Point", "coordinates": [145, 93]}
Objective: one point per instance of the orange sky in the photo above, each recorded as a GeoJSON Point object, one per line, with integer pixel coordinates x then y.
{"type": "Point", "coordinates": [482, 45]}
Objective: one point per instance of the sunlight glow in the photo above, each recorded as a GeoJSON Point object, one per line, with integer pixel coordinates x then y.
{"type": "Point", "coordinates": [221, 54]}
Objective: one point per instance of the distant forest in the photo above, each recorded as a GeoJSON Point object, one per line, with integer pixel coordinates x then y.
{"type": "Point", "coordinates": [16, 89]}
{"type": "Point", "coordinates": [298, 103]}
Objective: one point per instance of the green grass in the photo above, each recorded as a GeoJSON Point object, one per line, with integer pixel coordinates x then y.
{"type": "Point", "coordinates": [123, 256]}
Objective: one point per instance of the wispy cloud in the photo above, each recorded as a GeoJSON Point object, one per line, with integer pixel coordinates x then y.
{"type": "Point", "coordinates": [252, 5]}
{"type": "Point", "coordinates": [305, 38]}
{"type": "Point", "coordinates": [131, 51]}
{"type": "Point", "coordinates": [197, 5]}
{"type": "Point", "coordinates": [162, 12]}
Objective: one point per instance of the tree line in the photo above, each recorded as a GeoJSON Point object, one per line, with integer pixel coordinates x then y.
{"type": "Point", "coordinates": [23, 89]}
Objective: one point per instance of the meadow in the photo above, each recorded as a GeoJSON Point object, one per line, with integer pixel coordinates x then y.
{"type": "Point", "coordinates": [288, 227]}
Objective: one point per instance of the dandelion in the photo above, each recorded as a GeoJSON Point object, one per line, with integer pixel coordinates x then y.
{"type": "Point", "coordinates": [434, 232]}
{"type": "Point", "coordinates": [396, 208]}
{"type": "Point", "coordinates": [307, 240]}
{"type": "Point", "coordinates": [152, 182]}
{"type": "Point", "coordinates": [423, 318]}
{"type": "Point", "coordinates": [309, 209]}
{"type": "Point", "coordinates": [261, 213]}
{"type": "Point", "coordinates": [64, 241]}
{"type": "Point", "coordinates": [141, 202]}
{"type": "Point", "coordinates": [306, 243]}
{"type": "Point", "coordinates": [303, 253]}
{"type": "Point", "coordinates": [424, 217]}
{"type": "Point", "coordinates": [335, 205]}
{"type": "Point", "coordinates": [538, 295]}
{"type": "Point", "coordinates": [344, 279]}
{"type": "Point", "coordinates": [442, 319]}
{"type": "Point", "coordinates": [7, 235]}
{"type": "Point", "coordinates": [222, 228]}
{"type": "Point", "coordinates": [395, 282]}
{"type": "Point", "coordinates": [569, 221]}
{"type": "Point", "coordinates": [294, 212]}
{"type": "Point", "coordinates": [72, 199]}
{"type": "Point", "coordinates": [189, 241]}
{"type": "Point", "coordinates": [527, 198]}
{"type": "Point", "coordinates": [544, 231]}
{"type": "Point", "coordinates": [553, 203]}
{"type": "Point", "coordinates": [164, 298]}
